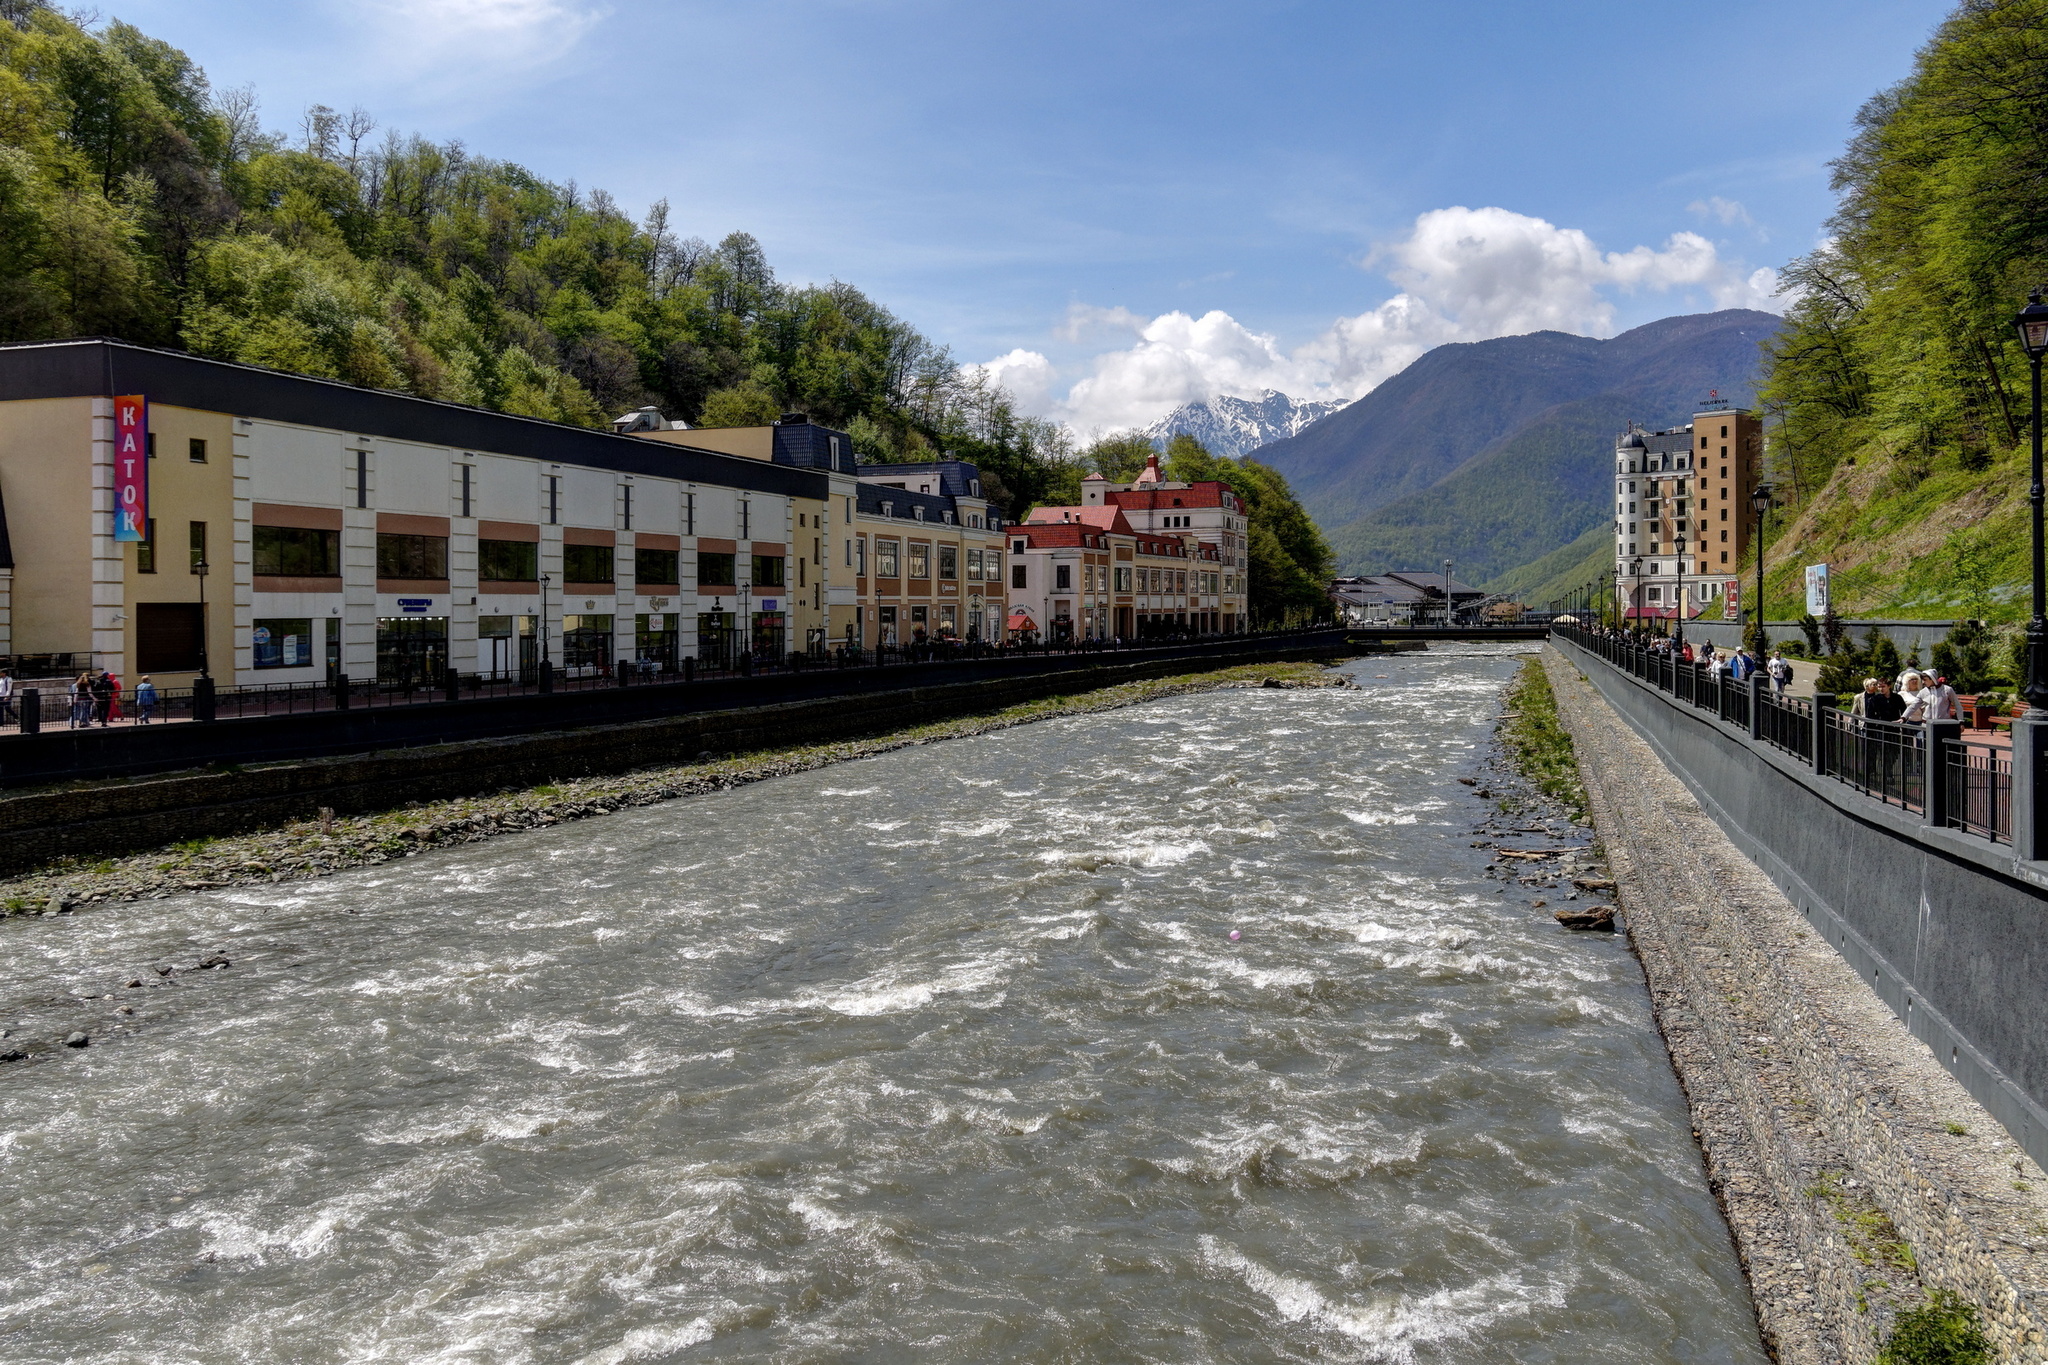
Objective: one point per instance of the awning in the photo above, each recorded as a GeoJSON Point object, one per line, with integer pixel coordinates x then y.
{"type": "Point", "coordinates": [1019, 621]}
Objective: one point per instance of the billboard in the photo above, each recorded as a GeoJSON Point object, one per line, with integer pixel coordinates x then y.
{"type": "Point", "coordinates": [1816, 590]}
{"type": "Point", "coordinates": [1731, 600]}
{"type": "Point", "coordinates": [131, 467]}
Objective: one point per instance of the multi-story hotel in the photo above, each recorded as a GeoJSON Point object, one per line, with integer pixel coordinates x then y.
{"type": "Point", "coordinates": [1208, 512]}
{"type": "Point", "coordinates": [167, 514]}
{"type": "Point", "coordinates": [1681, 511]}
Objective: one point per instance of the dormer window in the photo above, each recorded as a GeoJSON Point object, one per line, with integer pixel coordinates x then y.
{"type": "Point", "coordinates": [917, 513]}
{"type": "Point", "coordinates": [1017, 547]}
{"type": "Point", "coordinates": [888, 508]}
{"type": "Point", "coordinates": [974, 487]}
{"type": "Point", "coordinates": [948, 516]}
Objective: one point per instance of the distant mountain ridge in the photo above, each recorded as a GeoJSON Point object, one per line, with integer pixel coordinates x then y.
{"type": "Point", "coordinates": [1494, 453]}
{"type": "Point", "coordinates": [1237, 426]}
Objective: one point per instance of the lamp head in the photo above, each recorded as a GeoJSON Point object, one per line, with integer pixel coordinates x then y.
{"type": "Point", "coordinates": [1760, 500]}
{"type": "Point", "coordinates": [2032, 326]}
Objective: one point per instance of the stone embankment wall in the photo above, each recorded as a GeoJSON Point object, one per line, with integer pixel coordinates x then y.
{"type": "Point", "coordinates": [119, 816]}
{"type": "Point", "coordinates": [1856, 1171]}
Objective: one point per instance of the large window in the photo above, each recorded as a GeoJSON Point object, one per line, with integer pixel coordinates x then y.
{"type": "Point", "coordinates": [770, 571]}
{"type": "Point", "coordinates": [412, 556]}
{"type": "Point", "coordinates": [1017, 579]}
{"type": "Point", "coordinates": [949, 561]}
{"type": "Point", "coordinates": [167, 637]}
{"type": "Point", "coordinates": [507, 561]}
{"type": "Point", "coordinates": [659, 567]}
{"type": "Point", "coordinates": [586, 643]}
{"type": "Point", "coordinates": [974, 566]}
{"type": "Point", "coordinates": [1063, 578]}
{"type": "Point", "coordinates": [283, 643]}
{"type": "Point", "coordinates": [297, 551]}
{"type": "Point", "coordinates": [412, 651]}
{"type": "Point", "coordinates": [920, 559]}
{"type": "Point", "coordinates": [587, 563]}
{"type": "Point", "coordinates": [717, 569]}
{"type": "Point", "coordinates": [885, 558]}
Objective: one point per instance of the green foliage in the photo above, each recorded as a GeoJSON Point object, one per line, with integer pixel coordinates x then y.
{"type": "Point", "coordinates": [1120, 456]}
{"type": "Point", "coordinates": [1535, 738]}
{"type": "Point", "coordinates": [1942, 1331]}
{"type": "Point", "coordinates": [1809, 626]}
{"type": "Point", "coordinates": [136, 201]}
{"type": "Point", "coordinates": [1964, 656]}
{"type": "Point", "coordinates": [1882, 655]}
{"type": "Point", "coordinates": [1290, 562]}
{"type": "Point", "coordinates": [1897, 393]}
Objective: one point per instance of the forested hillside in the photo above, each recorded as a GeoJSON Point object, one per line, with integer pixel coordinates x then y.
{"type": "Point", "coordinates": [1896, 399]}
{"type": "Point", "coordinates": [135, 201]}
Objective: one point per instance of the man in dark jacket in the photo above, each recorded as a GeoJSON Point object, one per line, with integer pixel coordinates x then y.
{"type": "Point", "coordinates": [102, 696]}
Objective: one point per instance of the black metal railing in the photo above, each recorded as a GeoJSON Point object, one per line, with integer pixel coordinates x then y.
{"type": "Point", "coordinates": [1886, 759]}
{"type": "Point", "coordinates": [1785, 723]}
{"type": "Point", "coordinates": [1979, 789]}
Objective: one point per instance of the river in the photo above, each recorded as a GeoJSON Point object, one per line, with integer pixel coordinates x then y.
{"type": "Point", "coordinates": [944, 1055]}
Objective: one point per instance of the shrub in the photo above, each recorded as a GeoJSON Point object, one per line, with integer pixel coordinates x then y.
{"type": "Point", "coordinates": [1942, 1331]}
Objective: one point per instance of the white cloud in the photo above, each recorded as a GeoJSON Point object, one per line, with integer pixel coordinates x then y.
{"type": "Point", "coordinates": [1729, 211]}
{"type": "Point", "coordinates": [1462, 274]}
{"type": "Point", "coordinates": [468, 38]}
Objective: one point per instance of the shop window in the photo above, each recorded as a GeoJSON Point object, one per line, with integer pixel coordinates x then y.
{"type": "Point", "coordinates": [297, 551]}
{"type": "Point", "coordinates": [886, 558]}
{"type": "Point", "coordinates": [586, 643]}
{"type": "Point", "coordinates": [285, 642]}
{"type": "Point", "coordinates": [507, 561]}
{"type": "Point", "coordinates": [412, 556]}
{"type": "Point", "coordinates": [949, 561]}
{"type": "Point", "coordinates": [920, 560]}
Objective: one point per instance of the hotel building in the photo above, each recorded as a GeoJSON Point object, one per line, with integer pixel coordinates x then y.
{"type": "Point", "coordinates": [1681, 511]}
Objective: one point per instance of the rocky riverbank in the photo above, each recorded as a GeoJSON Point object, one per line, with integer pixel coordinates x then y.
{"type": "Point", "coordinates": [317, 848]}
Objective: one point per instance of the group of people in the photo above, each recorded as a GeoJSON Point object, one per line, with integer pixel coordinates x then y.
{"type": "Point", "coordinates": [96, 698]}
{"type": "Point", "coordinates": [1916, 696]}
{"type": "Point", "coordinates": [1739, 665]}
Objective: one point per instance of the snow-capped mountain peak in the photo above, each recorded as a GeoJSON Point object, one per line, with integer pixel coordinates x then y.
{"type": "Point", "coordinates": [1238, 426]}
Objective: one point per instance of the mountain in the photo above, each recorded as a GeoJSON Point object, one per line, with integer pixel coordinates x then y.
{"type": "Point", "coordinates": [1237, 426]}
{"type": "Point", "coordinates": [1494, 453]}
{"type": "Point", "coordinates": [1440, 413]}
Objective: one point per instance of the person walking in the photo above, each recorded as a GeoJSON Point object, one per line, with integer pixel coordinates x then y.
{"type": "Point", "coordinates": [81, 700]}
{"type": "Point", "coordinates": [114, 704]}
{"type": "Point", "coordinates": [1780, 671]}
{"type": "Point", "coordinates": [6, 696]}
{"type": "Point", "coordinates": [1861, 706]}
{"type": "Point", "coordinates": [101, 689]}
{"type": "Point", "coordinates": [145, 700]}
{"type": "Point", "coordinates": [1913, 699]}
{"type": "Point", "coordinates": [1883, 704]}
{"type": "Point", "coordinates": [1942, 703]}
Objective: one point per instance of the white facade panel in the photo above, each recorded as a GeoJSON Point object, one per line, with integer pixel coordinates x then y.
{"type": "Point", "coordinates": [298, 464]}
{"type": "Point", "coordinates": [507, 489]}
{"type": "Point", "coordinates": [412, 478]}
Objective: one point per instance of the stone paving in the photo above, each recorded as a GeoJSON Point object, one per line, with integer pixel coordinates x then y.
{"type": "Point", "coordinates": [1856, 1173]}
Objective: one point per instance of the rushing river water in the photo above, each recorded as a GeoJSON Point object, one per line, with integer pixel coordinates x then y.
{"type": "Point", "coordinates": [944, 1055]}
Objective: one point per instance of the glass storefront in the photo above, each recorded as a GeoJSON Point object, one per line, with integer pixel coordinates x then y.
{"type": "Point", "coordinates": [771, 635]}
{"type": "Point", "coordinates": [507, 647]}
{"type": "Point", "coordinates": [412, 651]}
{"type": "Point", "coordinates": [586, 645]}
{"type": "Point", "coordinates": [282, 643]}
{"type": "Point", "coordinates": [885, 632]}
{"type": "Point", "coordinates": [716, 639]}
{"type": "Point", "coordinates": [656, 636]}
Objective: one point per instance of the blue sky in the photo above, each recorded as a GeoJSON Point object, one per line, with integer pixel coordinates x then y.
{"type": "Point", "coordinates": [1124, 204]}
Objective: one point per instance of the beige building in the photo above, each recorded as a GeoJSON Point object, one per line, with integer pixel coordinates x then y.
{"type": "Point", "coordinates": [1682, 516]}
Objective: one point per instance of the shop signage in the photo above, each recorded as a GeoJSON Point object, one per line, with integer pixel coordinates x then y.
{"type": "Point", "coordinates": [131, 467]}
{"type": "Point", "coordinates": [418, 605]}
{"type": "Point", "coordinates": [767, 604]}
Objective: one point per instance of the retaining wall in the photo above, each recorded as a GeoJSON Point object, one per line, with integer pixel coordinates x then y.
{"type": "Point", "coordinates": [115, 817]}
{"type": "Point", "coordinates": [1949, 930]}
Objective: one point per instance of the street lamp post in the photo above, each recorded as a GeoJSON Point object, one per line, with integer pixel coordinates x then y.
{"type": "Point", "coordinates": [1635, 574]}
{"type": "Point", "coordinates": [199, 571]}
{"type": "Point", "coordinates": [2029, 762]}
{"type": "Point", "coordinates": [1760, 500]}
{"type": "Point", "coordinates": [1447, 594]}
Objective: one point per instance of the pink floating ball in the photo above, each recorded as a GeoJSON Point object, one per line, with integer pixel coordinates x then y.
{"type": "Point", "coordinates": [1235, 935]}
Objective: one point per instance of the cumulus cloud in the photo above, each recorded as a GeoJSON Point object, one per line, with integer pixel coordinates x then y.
{"type": "Point", "coordinates": [1728, 211]}
{"type": "Point", "coordinates": [1462, 274]}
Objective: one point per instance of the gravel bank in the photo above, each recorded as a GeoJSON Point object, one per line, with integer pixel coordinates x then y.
{"type": "Point", "coordinates": [317, 848]}
{"type": "Point", "coordinates": [1856, 1174]}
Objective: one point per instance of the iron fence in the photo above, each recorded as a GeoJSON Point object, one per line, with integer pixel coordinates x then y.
{"type": "Point", "coordinates": [1979, 789]}
{"type": "Point", "coordinates": [1786, 723]}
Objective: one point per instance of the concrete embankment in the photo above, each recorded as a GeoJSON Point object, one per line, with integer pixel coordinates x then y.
{"type": "Point", "coordinates": [1858, 1175]}
{"type": "Point", "coordinates": [381, 807]}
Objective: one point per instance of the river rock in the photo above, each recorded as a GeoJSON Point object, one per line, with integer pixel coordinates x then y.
{"type": "Point", "coordinates": [76, 1040]}
{"type": "Point", "coordinates": [1599, 917]}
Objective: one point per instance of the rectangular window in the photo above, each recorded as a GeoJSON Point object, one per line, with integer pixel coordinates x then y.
{"type": "Point", "coordinates": [717, 570]}
{"type": "Point", "coordinates": [860, 556]}
{"type": "Point", "coordinates": [554, 499]}
{"type": "Point", "coordinates": [1062, 578]}
{"type": "Point", "coordinates": [746, 519]}
{"type": "Point", "coordinates": [296, 551]}
{"type": "Point", "coordinates": [920, 559]}
{"type": "Point", "coordinates": [167, 637]}
{"type": "Point", "coordinates": [198, 534]}
{"type": "Point", "coordinates": [885, 559]}
{"type": "Point", "coordinates": [195, 450]}
{"type": "Point", "coordinates": [770, 571]}
{"type": "Point", "coordinates": [507, 561]}
{"type": "Point", "coordinates": [412, 556]}
{"type": "Point", "coordinates": [974, 566]}
{"type": "Point", "coordinates": [1123, 580]}
{"type": "Point", "coordinates": [145, 549]}
{"type": "Point", "coordinates": [689, 514]}
{"type": "Point", "coordinates": [949, 561]}
{"type": "Point", "coordinates": [660, 567]}
{"type": "Point", "coordinates": [362, 478]}
{"type": "Point", "coordinates": [587, 563]}
{"type": "Point", "coordinates": [283, 643]}
{"type": "Point", "coordinates": [992, 566]}
{"type": "Point", "coordinates": [466, 471]}
{"type": "Point", "coordinates": [1017, 575]}
{"type": "Point", "coordinates": [626, 506]}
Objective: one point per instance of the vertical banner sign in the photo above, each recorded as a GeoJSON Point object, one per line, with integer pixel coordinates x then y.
{"type": "Point", "coordinates": [1731, 600]}
{"type": "Point", "coordinates": [1816, 590]}
{"type": "Point", "coordinates": [131, 467]}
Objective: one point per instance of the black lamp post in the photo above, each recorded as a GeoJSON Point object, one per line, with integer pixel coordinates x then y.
{"type": "Point", "coordinates": [1448, 621]}
{"type": "Point", "coordinates": [1760, 500]}
{"type": "Point", "coordinates": [199, 571]}
{"type": "Point", "coordinates": [2032, 325]}
{"type": "Point", "coordinates": [1635, 575]}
